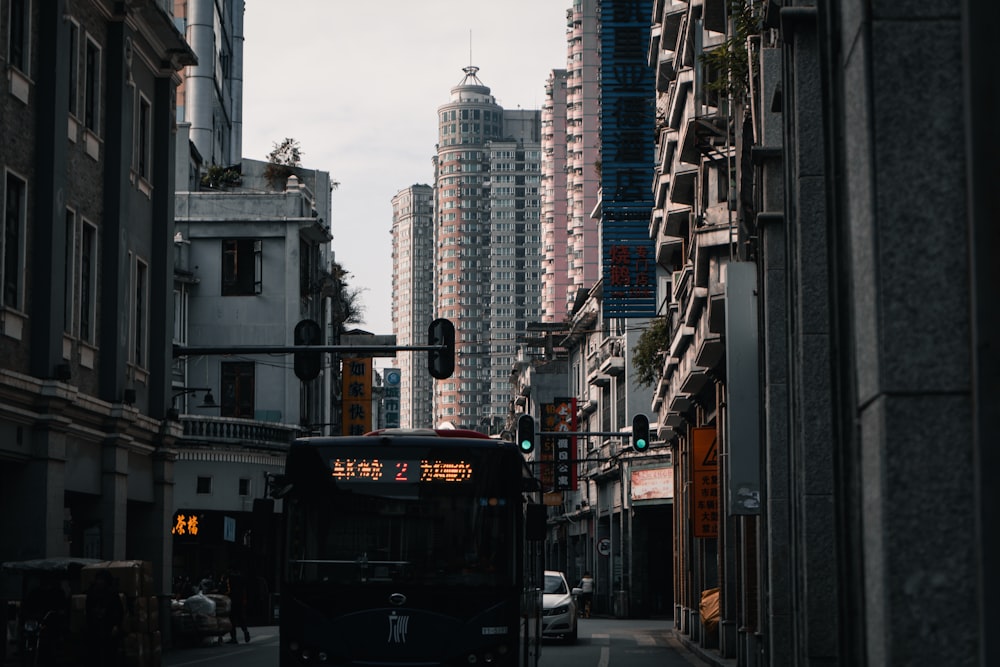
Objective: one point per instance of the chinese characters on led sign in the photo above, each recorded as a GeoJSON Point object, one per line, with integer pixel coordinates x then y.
{"type": "Point", "coordinates": [398, 470]}
{"type": "Point", "coordinates": [185, 525]}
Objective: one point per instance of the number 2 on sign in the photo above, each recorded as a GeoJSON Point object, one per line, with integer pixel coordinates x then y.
{"type": "Point", "coordinates": [401, 467]}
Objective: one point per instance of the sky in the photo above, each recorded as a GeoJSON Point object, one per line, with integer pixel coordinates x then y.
{"type": "Point", "coordinates": [358, 85]}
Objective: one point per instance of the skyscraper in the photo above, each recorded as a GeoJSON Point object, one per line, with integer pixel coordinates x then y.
{"type": "Point", "coordinates": [413, 298]}
{"type": "Point", "coordinates": [583, 150]}
{"type": "Point", "coordinates": [487, 242]}
{"type": "Point", "coordinates": [555, 273]}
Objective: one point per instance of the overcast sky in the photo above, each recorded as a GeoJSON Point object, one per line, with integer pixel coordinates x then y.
{"type": "Point", "coordinates": [358, 84]}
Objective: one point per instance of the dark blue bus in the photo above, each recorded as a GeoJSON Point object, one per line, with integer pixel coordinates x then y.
{"type": "Point", "coordinates": [410, 547]}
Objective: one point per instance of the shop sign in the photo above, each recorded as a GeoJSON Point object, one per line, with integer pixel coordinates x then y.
{"type": "Point", "coordinates": [356, 396]}
{"type": "Point", "coordinates": [705, 485]}
{"type": "Point", "coordinates": [652, 484]}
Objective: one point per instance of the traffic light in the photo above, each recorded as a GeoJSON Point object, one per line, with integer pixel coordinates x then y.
{"type": "Point", "coordinates": [441, 363]}
{"type": "Point", "coordinates": [526, 433]}
{"type": "Point", "coordinates": [640, 433]}
{"type": "Point", "coordinates": [308, 364]}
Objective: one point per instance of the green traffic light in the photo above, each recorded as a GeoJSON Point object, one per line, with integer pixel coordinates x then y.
{"type": "Point", "coordinates": [640, 444]}
{"type": "Point", "coordinates": [526, 445]}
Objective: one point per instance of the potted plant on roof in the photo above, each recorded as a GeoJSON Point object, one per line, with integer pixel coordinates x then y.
{"type": "Point", "coordinates": [282, 161]}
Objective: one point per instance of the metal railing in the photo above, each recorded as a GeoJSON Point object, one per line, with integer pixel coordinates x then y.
{"type": "Point", "coordinates": [235, 431]}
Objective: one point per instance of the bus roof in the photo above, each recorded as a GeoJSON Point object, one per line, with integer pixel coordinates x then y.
{"type": "Point", "coordinates": [440, 432]}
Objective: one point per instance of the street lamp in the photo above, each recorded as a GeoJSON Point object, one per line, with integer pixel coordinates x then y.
{"type": "Point", "coordinates": [207, 401]}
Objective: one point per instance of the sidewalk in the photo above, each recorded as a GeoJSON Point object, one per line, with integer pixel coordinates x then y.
{"type": "Point", "coordinates": [709, 656]}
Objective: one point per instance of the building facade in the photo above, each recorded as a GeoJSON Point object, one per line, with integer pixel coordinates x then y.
{"type": "Point", "coordinates": [86, 153]}
{"type": "Point", "coordinates": [846, 514]}
{"type": "Point", "coordinates": [413, 299]}
{"type": "Point", "coordinates": [583, 152]}
{"type": "Point", "coordinates": [253, 261]}
{"type": "Point", "coordinates": [487, 240]}
{"type": "Point", "coordinates": [555, 273]}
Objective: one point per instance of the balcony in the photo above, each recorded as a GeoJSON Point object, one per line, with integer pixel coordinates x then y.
{"type": "Point", "coordinates": [682, 188]}
{"type": "Point", "coordinates": [598, 379]}
{"type": "Point", "coordinates": [249, 433]}
{"type": "Point", "coordinates": [677, 220]}
{"type": "Point", "coordinates": [665, 72]}
{"type": "Point", "coordinates": [612, 357]}
{"type": "Point", "coordinates": [673, 16]}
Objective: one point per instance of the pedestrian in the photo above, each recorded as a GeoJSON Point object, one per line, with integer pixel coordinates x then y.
{"type": "Point", "coordinates": [104, 619]}
{"type": "Point", "coordinates": [586, 593]}
{"type": "Point", "coordinates": [237, 591]}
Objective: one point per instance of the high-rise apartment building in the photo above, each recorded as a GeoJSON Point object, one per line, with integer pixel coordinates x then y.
{"type": "Point", "coordinates": [210, 97]}
{"type": "Point", "coordinates": [413, 298]}
{"type": "Point", "coordinates": [487, 264]}
{"type": "Point", "coordinates": [555, 274]}
{"type": "Point", "coordinates": [583, 148]}
{"type": "Point", "coordinates": [571, 167]}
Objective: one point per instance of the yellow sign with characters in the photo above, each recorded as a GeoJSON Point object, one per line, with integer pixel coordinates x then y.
{"type": "Point", "coordinates": [185, 525]}
{"type": "Point", "coordinates": [356, 396]}
{"type": "Point", "coordinates": [705, 484]}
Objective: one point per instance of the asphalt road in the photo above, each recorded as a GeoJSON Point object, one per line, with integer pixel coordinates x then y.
{"type": "Point", "coordinates": [601, 643]}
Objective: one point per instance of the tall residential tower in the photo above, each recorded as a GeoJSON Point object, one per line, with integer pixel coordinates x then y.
{"type": "Point", "coordinates": [413, 298]}
{"type": "Point", "coordinates": [487, 267]}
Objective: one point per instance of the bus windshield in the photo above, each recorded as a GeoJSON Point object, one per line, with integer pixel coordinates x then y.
{"type": "Point", "coordinates": [418, 517]}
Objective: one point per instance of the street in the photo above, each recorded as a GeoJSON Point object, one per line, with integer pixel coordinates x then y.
{"type": "Point", "coordinates": [602, 643]}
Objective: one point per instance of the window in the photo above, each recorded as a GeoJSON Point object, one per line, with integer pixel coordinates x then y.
{"type": "Point", "coordinates": [244, 486]}
{"type": "Point", "coordinates": [17, 42]}
{"type": "Point", "coordinates": [204, 485]}
{"type": "Point", "coordinates": [306, 262]}
{"type": "Point", "coordinates": [70, 275]}
{"type": "Point", "coordinates": [92, 87]}
{"type": "Point", "coordinates": [238, 389]}
{"type": "Point", "coordinates": [74, 68]}
{"type": "Point", "coordinates": [241, 267]}
{"type": "Point", "coordinates": [140, 313]}
{"type": "Point", "coordinates": [180, 316]}
{"type": "Point", "coordinates": [143, 139]}
{"type": "Point", "coordinates": [12, 259]}
{"type": "Point", "coordinates": [88, 282]}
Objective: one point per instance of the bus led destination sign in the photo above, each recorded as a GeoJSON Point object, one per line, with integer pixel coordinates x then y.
{"type": "Point", "coordinates": [360, 470]}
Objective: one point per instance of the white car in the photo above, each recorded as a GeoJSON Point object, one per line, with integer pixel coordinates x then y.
{"type": "Point", "coordinates": [558, 607]}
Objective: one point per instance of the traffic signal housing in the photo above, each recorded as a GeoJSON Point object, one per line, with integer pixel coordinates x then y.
{"type": "Point", "coordinates": [441, 362]}
{"type": "Point", "coordinates": [525, 433]}
{"type": "Point", "coordinates": [308, 364]}
{"type": "Point", "coordinates": [640, 433]}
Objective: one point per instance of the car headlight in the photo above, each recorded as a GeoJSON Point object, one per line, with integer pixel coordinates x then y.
{"type": "Point", "coordinates": [561, 609]}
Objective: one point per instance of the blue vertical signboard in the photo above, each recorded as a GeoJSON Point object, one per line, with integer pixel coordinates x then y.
{"type": "Point", "coordinates": [628, 99]}
{"type": "Point", "coordinates": [392, 379]}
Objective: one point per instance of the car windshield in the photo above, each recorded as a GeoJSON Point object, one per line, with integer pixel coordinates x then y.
{"type": "Point", "coordinates": [554, 584]}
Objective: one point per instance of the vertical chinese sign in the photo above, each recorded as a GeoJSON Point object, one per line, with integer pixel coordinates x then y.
{"type": "Point", "coordinates": [627, 85]}
{"type": "Point", "coordinates": [705, 485]}
{"type": "Point", "coordinates": [559, 417]}
{"type": "Point", "coordinates": [356, 396]}
{"type": "Point", "coordinates": [390, 401]}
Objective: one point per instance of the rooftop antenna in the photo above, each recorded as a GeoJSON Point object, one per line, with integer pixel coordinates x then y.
{"type": "Point", "coordinates": [470, 46]}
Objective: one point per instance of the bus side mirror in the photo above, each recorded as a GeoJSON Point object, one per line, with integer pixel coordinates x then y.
{"type": "Point", "coordinates": [535, 522]}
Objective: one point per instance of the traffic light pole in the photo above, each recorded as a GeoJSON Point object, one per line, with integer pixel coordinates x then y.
{"type": "Point", "coordinates": [596, 434]}
{"type": "Point", "coordinates": [373, 350]}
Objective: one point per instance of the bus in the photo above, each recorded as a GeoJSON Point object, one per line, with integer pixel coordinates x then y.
{"type": "Point", "coordinates": [410, 547]}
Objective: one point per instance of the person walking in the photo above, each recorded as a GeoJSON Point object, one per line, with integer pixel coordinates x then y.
{"type": "Point", "coordinates": [238, 610]}
{"type": "Point", "coordinates": [586, 593]}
